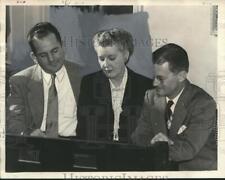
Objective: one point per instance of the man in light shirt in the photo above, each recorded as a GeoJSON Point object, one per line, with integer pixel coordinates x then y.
{"type": "Point", "coordinates": [43, 98]}
{"type": "Point", "coordinates": [111, 99]}
{"type": "Point", "coordinates": [179, 113]}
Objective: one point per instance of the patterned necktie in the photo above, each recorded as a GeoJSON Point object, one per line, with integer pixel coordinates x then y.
{"type": "Point", "coordinates": [52, 111]}
{"type": "Point", "coordinates": [168, 114]}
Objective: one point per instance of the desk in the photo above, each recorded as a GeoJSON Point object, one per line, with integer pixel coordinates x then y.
{"type": "Point", "coordinates": [28, 154]}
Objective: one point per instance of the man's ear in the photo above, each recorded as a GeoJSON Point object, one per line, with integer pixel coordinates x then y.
{"type": "Point", "coordinates": [126, 55]}
{"type": "Point", "coordinates": [182, 75]}
{"type": "Point", "coordinates": [33, 57]}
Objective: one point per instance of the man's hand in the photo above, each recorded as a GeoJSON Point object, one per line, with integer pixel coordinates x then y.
{"type": "Point", "coordinates": [160, 137]}
{"type": "Point", "coordinates": [38, 132]}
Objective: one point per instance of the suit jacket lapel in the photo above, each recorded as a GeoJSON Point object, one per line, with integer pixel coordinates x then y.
{"type": "Point", "coordinates": [75, 79]}
{"type": "Point", "coordinates": [128, 88]}
{"type": "Point", "coordinates": [179, 116]}
{"type": "Point", "coordinates": [180, 110]}
{"type": "Point", "coordinates": [106, 98]}
{"type": "Point", "coordinates": [36, 96]}
{"type": "Point", "coordinates": [105, 88]}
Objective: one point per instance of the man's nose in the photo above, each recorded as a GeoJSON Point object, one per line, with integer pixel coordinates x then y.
{"type": "Point", "coordinates": [50, 57]}
{"type": "Point", "coordinates": [105, 62]}
{"type": "Point", "coordinates": [156, 82]}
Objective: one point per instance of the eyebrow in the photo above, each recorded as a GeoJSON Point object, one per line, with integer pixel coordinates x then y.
{"type": "Point", "coordinates": [55, 48]}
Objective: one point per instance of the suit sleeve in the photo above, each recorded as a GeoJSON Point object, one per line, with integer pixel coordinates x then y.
{"type": "Point", "coordinates": [15, 109]}
{"type": "Point", "coordinates": [202, 120]}
{"type": "Point", "coordinates": [143, 132]}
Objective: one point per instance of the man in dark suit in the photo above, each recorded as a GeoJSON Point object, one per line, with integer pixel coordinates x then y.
{"type": "Point", "coordinates": [50, 80]}
{"type": "Point", "coordinates": [179, 113]}
{"type": "Point", "coordinates": [111, 99]}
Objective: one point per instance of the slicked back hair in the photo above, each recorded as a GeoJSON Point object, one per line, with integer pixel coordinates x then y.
{"type": "Point", "coordinates": [41, 30]}
{"type": "Point", "coordinates": [175, 55]}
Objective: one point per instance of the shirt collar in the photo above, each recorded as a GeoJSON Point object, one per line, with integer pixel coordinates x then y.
{"type": "Point", "coordinates": [59, 75]}
{"type": "Point", "coordinates": [123, 83]}
{"type": "Point", "coordinates": [176, 98]}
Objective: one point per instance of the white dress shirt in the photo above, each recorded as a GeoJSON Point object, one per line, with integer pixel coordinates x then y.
{"type": "Point", "coordinates": [117, 100]}
{"type": "Point", "coordinates": [67, 121]}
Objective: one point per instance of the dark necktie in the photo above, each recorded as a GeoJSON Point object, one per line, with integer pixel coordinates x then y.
{"type": "Point", "coordinates": [52, 111]}
{"type": "Point", "coordinates": [168, 114]}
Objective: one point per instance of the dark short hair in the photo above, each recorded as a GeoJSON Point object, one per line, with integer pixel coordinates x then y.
{"type": "Point", "coordinates": [175, 55]}
{"type": "Point", "coordinates": [114, 36]}
{"type": "Point", "coordinates": [41, 30]}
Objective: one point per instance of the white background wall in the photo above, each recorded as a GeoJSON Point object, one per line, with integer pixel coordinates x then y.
{"type": "Point", "coordinates": [189, 27]}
